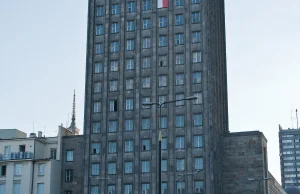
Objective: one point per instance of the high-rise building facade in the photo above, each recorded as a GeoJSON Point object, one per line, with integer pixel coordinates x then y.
{"type": "Point", "coordinates": [289, 145]}
{"type": "Point", "coordinates": [154, 51]}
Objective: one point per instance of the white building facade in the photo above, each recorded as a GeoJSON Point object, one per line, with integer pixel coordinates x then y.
{"type": "Point", "coordinates": [30, 165]}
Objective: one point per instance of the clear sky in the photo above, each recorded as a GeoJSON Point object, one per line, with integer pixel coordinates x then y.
{"type": "Point", "coordinates": [42, 60]}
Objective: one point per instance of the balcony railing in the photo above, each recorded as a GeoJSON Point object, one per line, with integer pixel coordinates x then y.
{"type": "Point", "coordinates": [16, 156]}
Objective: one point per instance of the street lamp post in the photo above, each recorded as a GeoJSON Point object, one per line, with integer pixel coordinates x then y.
{"type": "Point", "coordinates": [259, 180]}
{"type": "Point", "coordinates": [160, 134]}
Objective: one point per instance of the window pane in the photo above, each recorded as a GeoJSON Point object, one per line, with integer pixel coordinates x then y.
{"type": "Point", "coordinates": [179, 121]}
{"type": "Point", "coordinates": [112, 168]}
{"type": "Point", "coordinates": [197, 119]}
{"type": "Point", "coordinates": [198, 163]}
{"type": "Point", "coordinates": [95, 148]}
{"type": "Point", "coordinates": [198, 141]}
{"type": "Point", "coordinates": [129, 126]}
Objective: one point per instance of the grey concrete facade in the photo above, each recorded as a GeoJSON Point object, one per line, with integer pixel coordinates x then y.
{"type": "Point", "coordinates": [289, 146]}
{"type": "Point", "coordinates": [212, 91]}
{"type": "Point", "coordinates": [245, 157]}
{"type": "Point", "coordinates": [75, 143]}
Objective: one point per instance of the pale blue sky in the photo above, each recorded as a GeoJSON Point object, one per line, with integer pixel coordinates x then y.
{"type": "Point", "coordinates": [42, 59]}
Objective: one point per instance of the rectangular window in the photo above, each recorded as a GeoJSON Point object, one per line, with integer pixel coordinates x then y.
{"type": "Point", "coordinates": [196, 37]}
{"type": "Point", "coordinates": [114, 47]}
{"type": "Point", "coordinates": [114, 66]}
{"type": "Point", "coordinates": [96, 127]}
{"type": "Point", "coordinates": [179, 19]}
{"type": "Point", "coordinates": [179, 59]}
{"type": "Point", "coordinates": [180, 187]}
{"type": "Point", "coordinates": [3, 170]}
{"type": "Point", "coordinates": [197, 77]}
{"type": "Point", "coordinates": [41, 169]}
{"type": "Point", "coordinates": [179, 142]}
{"type": "Point", "coordinates": [145, 166]}
{"type": "Point", "coordinates": [99, 48]}
{"type": "Point", "coordinates": [99, 30]}
{"type": "Point", "coordinates": [179, 79]}
{"type": "Point", "coordinates": [129, 126]}
{"type": "Point", "coordinates": [162, 99]}
{"type": "Point", "coordinates": [164, 143]}
{"type": "Point", "coordinates": [95, 169]}
{"type": "Point", "coordinates": [128, 168]}
{"type": "Point", "coordinates": [146, 5]}
{"type": "Point", "coordinates": [16, 188]}
{"type": "Point", "coordinates": [162, 81]}
{"type": "Point", "coordinates": [180, 164]}
{"type": "Point", "coordinates": [195, 17]}
{"type": "Point", "coordinates": [163, 41]}
{"type": "Point", "coordinates": [163, 61]}
{"type": "Point", "coordinates": [195, 1]}
{"type": "Point", "coordinates": [146, 23]}
{"type": "Point", "coordinates": [146, 43]}
{"type": "Point", "coordinates": [178, 2]}
{"type": "Point", "coordinates": [112, 126]}
{"type": "Point", "coordinates": [198, 187]}
{"type": "Point", "coordinates": [70, 155]}
{"type": "Point", "coordinates": [114, 27]}
{"type": "Point", "coordinates": [197, 119]}
{"type": "Point", "coordinates": [179, 39]}
{"type": "Point", "coordinates": [146, 124]}
{"type": "Point", "coordinates": [40, 188]}
{"type": "Point", "coordinates": [129, 104]}
{"type": "Point", "coordinates": [115, 9]}
{"type": "Point", "coordinates": [129, 84]}
{"type": "Point", "coordinates": [112, 147]}
{"type": "Point", "coordinates": [128, 189]}
{"type": "Point", "coordinates": [198, 163]}
{"type": "Point", "coordinates": [131, 7]}
{"type": "Point", "coordinates": [198, 141]}
{"type": "Point", "coordinates": [113, 85]}
{"type": "Point", "coordinates": [145, 188]}
{"type": "Point", "coordinates": [179, 121]}
{"type": "Point", "coordinates": [180, 101]}
{"type": "Point", "coordinates": [130, 26]}
{"type": "Point", "coordinates": [130, 64]}
{"type": "Point", "coordinates": [112, 168]}
{"type": "Point", "coordinates": [129, 146]}
{"type": "Point", "coordinates": [69, 175]}
{"type": "Point", "coordinates": [100, 11]}
{"type": "Point", "coordinates": [94, 190]}
{"type": "Point", "coordinates": [18, 170]}
{"type": "Point", "coordinates": [164, 188]}
{"type": "Point", "coordinates": [146, 145]}
{"type": "Point", "coordinates": [130, 45]}
{"type": "Point", "coordinates": [197, 57]}
{"type": "Point", "coordinates": [164, 165]}
{"type": "Point", "coordinates": [199, 98]}
{"type": "Point", "coordinates": [113, 105]}
{"type": "Point", "coordinates": [98, 67]}
{"type": "Point", "coordinates": [111, 189]}
{"type": "Point", "coordinates": [146, 82]}
{"type": "Point", "coordinates": [97, 87]}
{"type": "Point", "coordinates": [145, 100]}
{"type": "Point", "coordinates": [163, 122]}
{"type": "Point", "coordinates": [95, 148]}
{"type": "Point", "coordinates": [68, 192]}
{"type": "Point", "coordinates": [146, 62]}
{"type": "Point", "coordinates": [53, 153]}
{"type": "Point", "coordinates": [163, 22]}
{"type": "Point", "coordinates": [97, 107]}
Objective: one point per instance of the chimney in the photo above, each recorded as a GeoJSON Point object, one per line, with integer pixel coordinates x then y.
{"type": "Point", "coordinates": [40, 134]}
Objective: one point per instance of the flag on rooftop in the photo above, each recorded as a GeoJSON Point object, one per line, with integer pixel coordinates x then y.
{"type": "Point", "coordinates": [162, 3]}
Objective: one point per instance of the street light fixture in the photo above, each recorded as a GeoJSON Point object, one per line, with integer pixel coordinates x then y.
{"type": "Point", "coordinates": [160, 134]}
{"type": "Point", "coordinates": [259, 180]}
{"type": "Point", "coordinates": [187, 173]}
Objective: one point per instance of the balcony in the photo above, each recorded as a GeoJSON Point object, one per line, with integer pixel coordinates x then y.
{"type": "Point", "coordinates": [16, 156]}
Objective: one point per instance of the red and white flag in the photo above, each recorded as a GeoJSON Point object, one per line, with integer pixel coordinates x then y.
{"type": "Point", "coordinates": [162, 3]}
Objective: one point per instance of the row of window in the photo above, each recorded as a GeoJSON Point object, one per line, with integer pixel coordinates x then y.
{"type": "Point", "coordinates": [146, 44]}
{"type": "Point", "coordinates": [131, 7]}
{"type": "Point", "coordinates": [146, 145]}
{"type": "Point", "coordinates": [146, 62]}
{"type": "Point", "coordinates": [146, 123]}
{"type": "Point", "coordinates": [198, 187]}
{"type": "Point", "coordinates": [17, 188]}
{"type": "Point", "coordinates": [145, 167]}
{"type": "Point", "coordinates": [18, 170]}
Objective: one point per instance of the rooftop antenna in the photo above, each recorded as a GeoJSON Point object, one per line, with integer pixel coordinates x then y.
{"type": "Point", "coordinates": [297, 118]}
